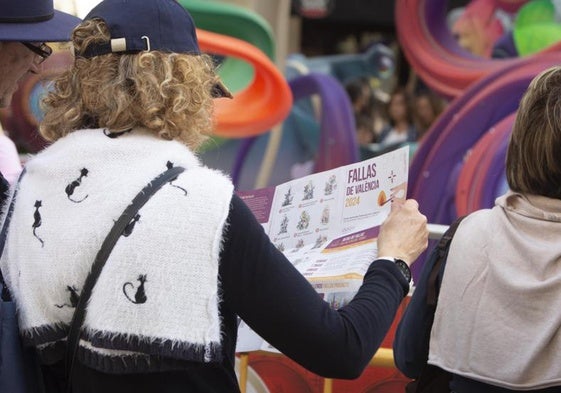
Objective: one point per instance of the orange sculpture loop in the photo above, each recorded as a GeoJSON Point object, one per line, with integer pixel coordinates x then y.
{"type": "Point", "coordinates": [265, 102]}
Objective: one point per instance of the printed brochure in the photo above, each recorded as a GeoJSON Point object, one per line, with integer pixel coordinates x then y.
{"type": "Point", "coordinates": [327, 225]}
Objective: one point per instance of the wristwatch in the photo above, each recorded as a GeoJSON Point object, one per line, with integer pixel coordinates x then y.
{"type": "Point", "coordinates": [402, 266]}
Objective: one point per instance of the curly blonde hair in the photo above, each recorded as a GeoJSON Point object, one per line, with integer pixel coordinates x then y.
{"type": "Point", "coordinates": [166, 93]}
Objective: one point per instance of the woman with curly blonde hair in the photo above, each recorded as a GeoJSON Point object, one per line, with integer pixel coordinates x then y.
{"type": "Point", "coordinates": [169, 94]}
{"type": "Point", "coordinates": [163, 313]}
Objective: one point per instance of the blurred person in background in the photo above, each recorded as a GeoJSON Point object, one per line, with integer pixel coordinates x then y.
{"type": "Point", "coordinates": [401, 121]}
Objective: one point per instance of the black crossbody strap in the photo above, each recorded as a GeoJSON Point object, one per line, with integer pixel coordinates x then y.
{"type": "Point", "coordinates": [5, 294]}
{"type": "Point", "coordinates": [143, 196]}
{"type": "Point", "coordinates": [442, 247]}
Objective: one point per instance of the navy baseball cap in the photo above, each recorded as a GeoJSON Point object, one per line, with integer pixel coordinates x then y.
{"type": "Point", "coordinates": [147, 25]}
{"type": "Point", "coordinates": [34, 21]}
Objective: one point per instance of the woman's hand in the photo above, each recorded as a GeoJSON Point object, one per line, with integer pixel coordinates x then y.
{"type": "Point", "coordinates": [404, 234]}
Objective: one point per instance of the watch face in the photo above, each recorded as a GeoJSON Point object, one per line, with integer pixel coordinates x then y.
{"type": "Point", "coordinates": [404, 269]}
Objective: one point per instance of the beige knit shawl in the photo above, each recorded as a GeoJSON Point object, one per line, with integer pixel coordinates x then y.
{"type": "Point", "coordinates": [499, 314]}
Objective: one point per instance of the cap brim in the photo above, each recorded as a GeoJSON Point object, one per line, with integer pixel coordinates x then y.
{"type": "Point", "coordinates": [56, 29]}
{"type": "Point", "coordinates": [220, 90]}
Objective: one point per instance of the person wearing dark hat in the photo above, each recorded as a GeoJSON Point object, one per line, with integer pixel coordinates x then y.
{"type": "Point", "coordinates": [25, 26]}
{"type": "Point", "coordinates": [163, 314]}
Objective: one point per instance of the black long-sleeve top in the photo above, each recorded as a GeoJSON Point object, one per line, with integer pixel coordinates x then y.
{"type": "Point", "coordinates": [260, 285]}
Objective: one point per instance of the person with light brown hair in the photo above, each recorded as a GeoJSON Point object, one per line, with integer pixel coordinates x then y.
{"type": "Point", "coordinates": [163, 313]}
{"type": "Point", "coordinates": [496, 326]}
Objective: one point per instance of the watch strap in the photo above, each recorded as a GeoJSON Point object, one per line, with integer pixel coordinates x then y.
{"type": "Point", "coordinates": [402, 266]}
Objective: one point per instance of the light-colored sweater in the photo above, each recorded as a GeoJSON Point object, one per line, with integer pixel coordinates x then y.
{"type": "Point", "coordinates": [498, 317]}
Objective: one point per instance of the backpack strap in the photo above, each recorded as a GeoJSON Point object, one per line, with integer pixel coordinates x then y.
{"type": "Point", "coordinates": [433, 287]}
{"type": "Point", "coordinates": [4, 292]}
{"type": "Point", "coordinates": [74, 334]}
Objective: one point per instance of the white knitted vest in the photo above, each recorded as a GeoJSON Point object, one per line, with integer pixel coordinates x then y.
{"type": "Point", "coordinates": [158, 292]}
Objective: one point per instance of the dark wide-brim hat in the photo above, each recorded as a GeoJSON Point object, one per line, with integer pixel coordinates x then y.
{"type": "Point", "coordinates": [147, 25]}
{"type": "Point", "coordinates": [34, 21]}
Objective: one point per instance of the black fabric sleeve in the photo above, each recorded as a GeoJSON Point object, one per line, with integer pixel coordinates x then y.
{"type": "Point", "coordinates": [4, 190]}
{"type": "Point", "coordinates": [273, 298]}
{"type": "Point", "coordinates": [411, 342]}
